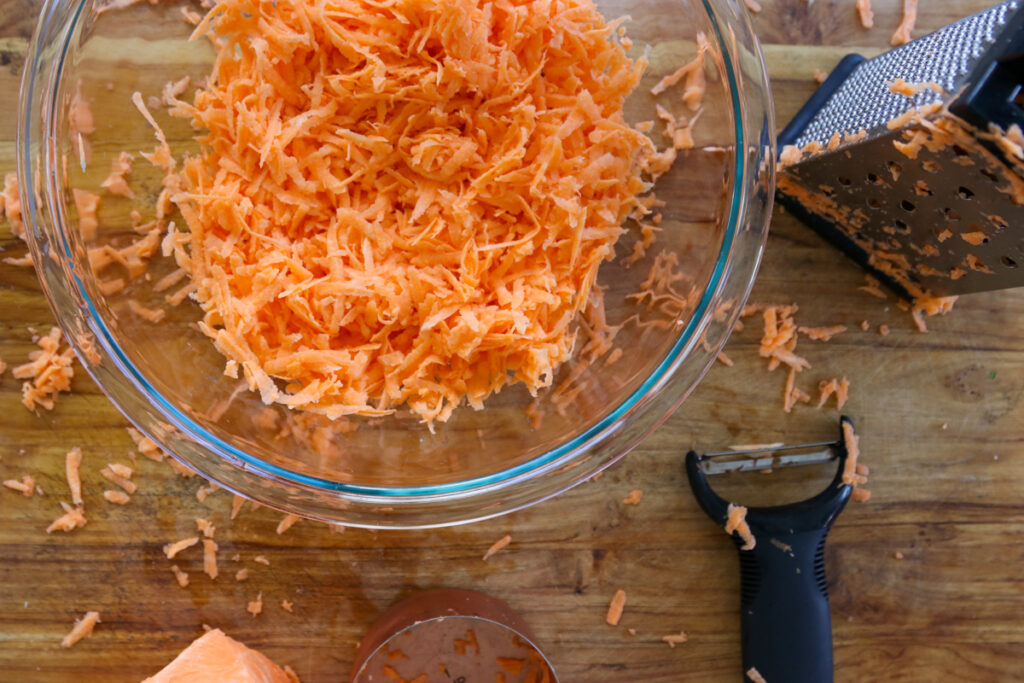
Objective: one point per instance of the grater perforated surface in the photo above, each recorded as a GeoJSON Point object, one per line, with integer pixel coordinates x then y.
{"type": "Point", "coordinates": [944, 57]}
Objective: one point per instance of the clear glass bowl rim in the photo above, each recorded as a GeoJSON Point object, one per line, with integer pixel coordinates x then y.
{"type": "Point", "coordinates": [657, 383]}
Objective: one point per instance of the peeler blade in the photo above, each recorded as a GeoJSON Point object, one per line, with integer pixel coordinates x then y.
{"type": "Point", "coordinates": [752, 460]}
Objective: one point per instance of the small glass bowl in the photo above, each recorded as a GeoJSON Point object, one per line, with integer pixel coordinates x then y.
{"type": "Point", "coordinates": [168, 379]}
{"type": "Point", "coordinates": [450, 635]}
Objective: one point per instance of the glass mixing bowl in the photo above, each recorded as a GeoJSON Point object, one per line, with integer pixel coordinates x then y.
{"type": "Point", "coordinates": [168, 379]}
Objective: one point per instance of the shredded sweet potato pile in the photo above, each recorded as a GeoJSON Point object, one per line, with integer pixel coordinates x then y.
{"type": "Point", "coordinates": [404, 204]}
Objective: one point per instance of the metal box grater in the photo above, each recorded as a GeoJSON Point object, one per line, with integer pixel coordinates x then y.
{"type": "Point", "coordinates": [946, 215]}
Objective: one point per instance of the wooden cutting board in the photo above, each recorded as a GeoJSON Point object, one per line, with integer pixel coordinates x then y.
{"type": "Point", "coordinates": [943, 431]}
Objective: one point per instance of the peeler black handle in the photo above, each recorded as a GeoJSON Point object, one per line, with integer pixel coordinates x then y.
{"type": "Point", "coordinates": [784, 610]}
{"type": "Point", "coordinates": [786, 631]}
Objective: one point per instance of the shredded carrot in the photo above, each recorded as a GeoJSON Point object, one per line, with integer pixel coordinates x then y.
{"type": "Point", "coordinates": [27, 485]}
{"type": "Point", "coordinates": [790, 155]}
{"type": "Point", "coordinates": [901, 87]}
{"type": "Point", "coordinates": [883, 330]}
{"type": "Point", "coordinates": [180, 469]}
{"type": "Point", "coordinates": [371, 227]}
{"type": "Point", "coordinates": [634, 497]}
{"type": "Point", "coordinates": [172, 90]}
{"type": "Point", "coordinates": [256, 606]}
{"type": "Point", "coordinates": [779, 339]}
{"type": "Point", "coordinates": [72, 463]}
{"type": "Point", "coordinates": [260, 559]}
{"type": "Point", "coordinates": [117, 497]}
{"type": "Point", "coordinates": [80, 124]}
{"type": "Point", "coordinates": [753, 5]}
{"type": "Point", "coordinates": [190, 15]}
{"type": "Point", "coordinates": [242, 574]}
{"type": "Point", "coordinates": [286, 523]}
{"type": "Point", "coordinates": [498, 545]}
{"type": "Point", "coordinates": [287, 606]}
{"type": "Point", "coordinates": [737, 521]}
{"type": "Point", "coordinates": [210, 557]}
{"type": "Point", "coordinates": [724, 359]}
{"type": "Point", "coordinates": [125, 483]}
{"type": "Point", "coordinates": [73, 518]}
{"type": "Point", "coordinates": [50, 371]}
{"type": "Point", "coordinates": [821, 333]}
{"type": "Point", "coordinates": [854, 473]}
{"type": "Point", "coordinates": [872, 287]}
{"type": "Point", "coordinates": [864, 13]}
{"type": "Point", "coordinates": [897, 555]}
{"type": "Point", "coordinates": [161, 156]}
{"type": "Point", "coordinates": [153, 315]}
{"type": "Point", "coordinates": [172, 549]}
{"type": "Point", "coordinates": [512, 665]}
{"type": "Point", "coordinates": [789, 392]}
{"type": "Point", "coordinates": [180, 576]}
{"type": "Point", "coordinates": [205, 527]}
{"type": "Point", "coordinates": [675, 639]}
{"type": "Point", "coordinates": [82, 629]}
{"type": "Point", "coordinates": [686, 69]}
{"type": "Point", "coordinates": [838, 387]}
{"type": "Point", "coordinates": [850, 441]}
{"type": "Point", "coordinates": [615, 608]}
{"type": "Point", "coordinates": [116, 183]}
{"type": "Point", "coordinates": [861, 495]}
{"type": "Point", "coordinates": [236, 505]}
{"type": "Point", "coordinates": [145, 445]}
{"type": "Point", "coordinates": [902, 34]}
{"type": "Point", "coordinates": [11, 204]}
{"type": "Point", "coordinates": [974, 238]}
{"type": "Point", "coordinates": [121, 470]}
{"type": "Point", "coordinates": [820, 76]}
{"type": "Point", "coordinates": [87, 204]}
{"type": "Point", "coordinates": [755, 676]}
{"type": "Point", "coordinates": [204, 491]}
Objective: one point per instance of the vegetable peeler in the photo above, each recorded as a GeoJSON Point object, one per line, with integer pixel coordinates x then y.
{"type": "Point", "coordinates": [786, 631]}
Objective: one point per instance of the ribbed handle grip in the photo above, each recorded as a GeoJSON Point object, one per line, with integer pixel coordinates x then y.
{"type": "Point", "coordinates": [786, 630]}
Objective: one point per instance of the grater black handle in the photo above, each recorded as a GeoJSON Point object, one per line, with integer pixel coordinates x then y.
{"type": "Point", "coordinates": [786, 630]}
{"type": "Point", "coordinates": [990, 94]}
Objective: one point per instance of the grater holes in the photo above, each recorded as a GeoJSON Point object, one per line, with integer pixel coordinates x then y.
{"type": "Point", "coordinates": [1008, 262]}
{"type": "Point", "coordinates": [874, 179]}
{"type": "Point", "coordinates": [894, 170]}
{"type": "Point", "coordinates": [931, 166]}
{"type": "Point", "coordinates": [965, 193]}
{"type": "Point", "coordinates": [844, 181]}
{"type": "Point", "coordinates": [989, 175]}
{"type": "Point", "coordinates": [874, 203]}
{"type": "Point", "coordinates": [960, 151]}
{"type": "Point", "coordinates": [907, 205]}
{"type": "Point", "coordinates": [951, 214]}
{"type": "Point", "coordinates": [902, 226]}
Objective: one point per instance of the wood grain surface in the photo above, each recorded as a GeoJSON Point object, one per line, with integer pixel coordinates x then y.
{"type": "Point", "coordinates": [942, 423]}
